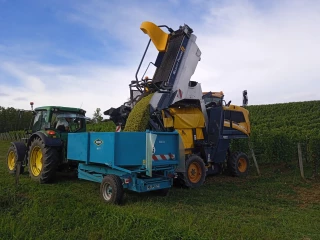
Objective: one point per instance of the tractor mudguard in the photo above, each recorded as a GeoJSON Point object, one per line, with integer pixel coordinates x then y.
{"type": "Point", "coordinates": [21, 150]}
{"type": "Point", "coordinates": [52, 142]}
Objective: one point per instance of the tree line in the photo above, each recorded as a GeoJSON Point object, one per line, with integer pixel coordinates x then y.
{"type": "Point", "coordinates": [12, 119]}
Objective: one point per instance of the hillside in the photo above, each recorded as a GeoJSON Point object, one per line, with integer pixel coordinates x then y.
{"type": "Point", "coordinates": [278, 128]}
{"type": "Point", "coordinates": [299, 119]}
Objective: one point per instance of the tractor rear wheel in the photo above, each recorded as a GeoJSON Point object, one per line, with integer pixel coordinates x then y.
{"type": "Point", "coordinates": [111, 189]}
{"type": "Point", "coordinates": [42, 161]}
{"type": "Point", "coordinates": [238, 164]}
{"type": "Point", "coordinates": [195, 172]}
{"type": "Point", "coordinates": [14, 157]}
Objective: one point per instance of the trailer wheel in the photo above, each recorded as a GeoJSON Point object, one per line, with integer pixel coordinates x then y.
{"type": "Point", "coordinates": [15, 156]}
{"type": "Point", "coordinates": [42, 161]}
{"type": "Point", "coordinates": [111, 189]}
{"type": "Point", "coordinates": [238, 164]}
{"type": "Point", "coordinates": [195, 172]}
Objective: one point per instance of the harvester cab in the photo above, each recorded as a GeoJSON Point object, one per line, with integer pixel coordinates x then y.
{"type": "Point", "coordinates": [236, 119]}
{"type": "Point", "coordinates": [44, 150]}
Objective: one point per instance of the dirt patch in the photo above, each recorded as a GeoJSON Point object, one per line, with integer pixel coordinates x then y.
{"type": "Point", "coordinates": [308, 196]}
{"type": "Point", "coordinates": [226, 179]}
{"type": "Point", "coordinates": [305, 196]}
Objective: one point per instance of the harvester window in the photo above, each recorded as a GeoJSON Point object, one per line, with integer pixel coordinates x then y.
{"type": "Point", "coordinates": [212, 100]}
{"type": "Point", "coordinates": [234, 116]}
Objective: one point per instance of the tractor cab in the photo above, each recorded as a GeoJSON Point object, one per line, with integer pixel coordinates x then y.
{"type": "Point", "coordinates": [59, 119]}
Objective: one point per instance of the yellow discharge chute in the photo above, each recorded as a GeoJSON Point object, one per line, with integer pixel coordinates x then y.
{"type": "Point", "coordinates": [157, 36]}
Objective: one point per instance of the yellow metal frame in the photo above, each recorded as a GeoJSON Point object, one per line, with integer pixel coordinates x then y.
{"type": "Point", "coordinates": [215, 94]}
{"type": "Point", "coordinates": [240, 126]}
{"type": "Point", "coordinates": [184, 120]}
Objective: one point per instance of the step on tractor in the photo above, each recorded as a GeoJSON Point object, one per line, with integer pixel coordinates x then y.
{"type": "Point", "coordinates": [205, 122]}
{"type": "Point", "coordinates": [43, 152]}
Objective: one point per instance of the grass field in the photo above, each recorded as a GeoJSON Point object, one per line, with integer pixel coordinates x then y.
{"type": "Point", "coordinates": [277, 205]}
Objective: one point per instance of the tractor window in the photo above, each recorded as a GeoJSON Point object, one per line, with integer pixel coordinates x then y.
{"type": "Point", "coordinates": [67, 122]}
{"type": "Point", "coordinates": [40, 121]}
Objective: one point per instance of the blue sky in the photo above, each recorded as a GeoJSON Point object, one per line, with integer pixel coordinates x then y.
{"type": "Point", "coordinates": [85, 53]}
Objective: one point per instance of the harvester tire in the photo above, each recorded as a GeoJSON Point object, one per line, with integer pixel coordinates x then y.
{"type": "Point", "coordinates": [14, 157]}
{"type": "Point", "coordinates": [238, 164]}
{"type": "Point", "coordinates": [111, 189]}
{"type": "Point", "coordinates": [42, 161]}
{"type": "Point", "coordinates": [195, 172]}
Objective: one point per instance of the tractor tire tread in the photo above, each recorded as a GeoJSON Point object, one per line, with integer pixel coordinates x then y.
{"type": "Point", "coordinates": [50, 161]}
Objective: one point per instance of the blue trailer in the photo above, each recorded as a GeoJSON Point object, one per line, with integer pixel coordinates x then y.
{"type": "Point", "coordinates": [137, 161]}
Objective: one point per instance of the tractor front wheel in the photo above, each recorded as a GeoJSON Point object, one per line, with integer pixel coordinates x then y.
{"type": "Point", "coordinates": [195, 172]}
{"type": "Point", "coordinates": [238, 164]}
{"type": "Point", "coordinates": [111, 189]}
{"type": "Point", "coordinates": [42, 161]}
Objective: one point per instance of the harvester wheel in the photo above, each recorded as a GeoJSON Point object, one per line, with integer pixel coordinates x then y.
{"type": "Point", "coordinates": [195, 172]}
{"type": "Point", "coordinates": [15, 156]}
{"type": "Point", "coordinates": [42, 161]}
{"type": "Point", "coordinates": [238, 164]}
{"type": "Point", "coordinates": [111, 189]}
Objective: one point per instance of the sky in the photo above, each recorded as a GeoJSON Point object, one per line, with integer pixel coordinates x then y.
{"type": "Point", "coordinates": [85, 53]}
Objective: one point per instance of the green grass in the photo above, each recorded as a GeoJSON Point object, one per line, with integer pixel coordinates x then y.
{"type": "Point", "coordinates": [276, 205]}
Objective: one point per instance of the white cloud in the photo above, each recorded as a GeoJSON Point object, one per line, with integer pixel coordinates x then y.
{"type": "Point", "coordinates": [272, 53]}
{"type": "Point", "coordinates": [29, 81]}
{"type": "Point", "coordinates": [88, 86]}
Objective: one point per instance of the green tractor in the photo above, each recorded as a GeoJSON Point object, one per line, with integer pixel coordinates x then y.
{"type": "Point", "coordinates": [44, 149]}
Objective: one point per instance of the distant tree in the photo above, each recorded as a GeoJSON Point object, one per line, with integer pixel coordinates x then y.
{"type": "Point", "coordinates": [12, 119]}
{"type": "Point", "coordinates": [97, 116]}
